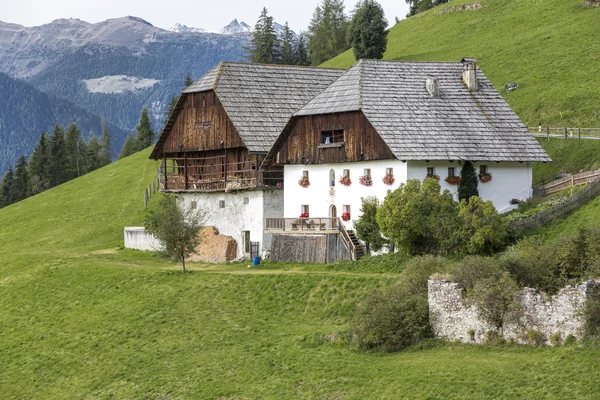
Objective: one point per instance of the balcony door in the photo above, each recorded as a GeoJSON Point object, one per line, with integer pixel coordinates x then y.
{"type": "Point", "coordinates": [333, 216]}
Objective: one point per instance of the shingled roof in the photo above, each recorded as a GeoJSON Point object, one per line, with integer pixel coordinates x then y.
{"type": "Point", "coordinates": [259, 99]}
{"type": "Point", "coordinates": [457, 124]}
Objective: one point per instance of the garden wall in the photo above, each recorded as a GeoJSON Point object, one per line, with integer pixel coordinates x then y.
{"type": "Point", "coordinates": [452, 318]}
{"type": "Point", "coordinates": [137, 238]}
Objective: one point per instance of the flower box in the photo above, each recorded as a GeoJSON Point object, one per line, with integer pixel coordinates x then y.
{"type": "Point", "coordinates": [434, 176]}
{"type": "Point", "coordinates": [366, 180]}
{"type": "Point", "coordinates": [304, 182]}
{"type": "Point", "coordinates": [484, 178]}
{"type": "Point", "coordinates": [304, 215]}
{"type": "Point", "coordinates": [345, 180]}
{"type": "Point", "coordinates": [388, 179]}
{"type": "Point", "coordinates": [345, 216]}
{"type": "Point", "coordinates": [453, 180]}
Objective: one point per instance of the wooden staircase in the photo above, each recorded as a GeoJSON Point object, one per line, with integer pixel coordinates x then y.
{"type": "Point", "coordinates": [359, 249]}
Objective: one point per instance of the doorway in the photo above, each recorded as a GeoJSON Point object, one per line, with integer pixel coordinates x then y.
{"type": "Point", "coordinates": [333, 216]}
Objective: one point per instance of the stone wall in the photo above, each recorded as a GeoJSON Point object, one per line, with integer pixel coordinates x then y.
{"type": "Point", "coordinates": [452, 319]}
{"type": "Point", "coordinates": [213, 247]}
{"type": "Point", "coordinates": [137, 238]}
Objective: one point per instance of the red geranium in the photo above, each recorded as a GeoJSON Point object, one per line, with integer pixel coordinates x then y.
{"type": "Point", "coordinates": [346, 216]}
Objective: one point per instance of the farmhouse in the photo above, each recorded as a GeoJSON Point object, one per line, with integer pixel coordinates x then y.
{"type": "Point", "coordinates": [217, 137]}
{"type": "Point", "coordinates": [384, 122]}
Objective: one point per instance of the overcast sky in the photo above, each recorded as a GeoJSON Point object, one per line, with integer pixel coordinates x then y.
{"type": "Point", "coordinates": [210, 15]}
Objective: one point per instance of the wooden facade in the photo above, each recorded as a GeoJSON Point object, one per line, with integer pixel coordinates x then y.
{"type": "Point", "coordinates": [305, 142]}
{"type": "Point", "coordinates": [204, 152]}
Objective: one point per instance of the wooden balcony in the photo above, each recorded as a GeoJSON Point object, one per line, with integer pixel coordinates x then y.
{"type": "Point", "coordinates": [302, 225]}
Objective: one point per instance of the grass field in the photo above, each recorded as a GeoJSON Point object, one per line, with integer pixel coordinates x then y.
{"type": "Point", "coordinates": [570, 156]}
{"type": "Point", "coordinates": [548, 47]}
{"type": "Point", "coordinates": [82, 318]}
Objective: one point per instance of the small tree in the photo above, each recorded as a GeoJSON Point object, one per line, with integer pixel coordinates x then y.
{"type": "Point", "coordinates": [368, 36]}
{"type": "Point", "coordinates": [144, 133]}
{"type": "Point", "coordinates": [176, 228]}
{"type": "Point", "coordinates": [300, 51]}
{"type": "Point", "coordinates": [367, 227]}
{"type": "Point", "coordinates": [287, 46]}
{"type": "Point", "coordinates": [105, 155]}
{"type": "Point", "coordinates": [467, 187]}
{"type": "Point", "coordinates": [128, 147]}
{"type": "Point", "coordinates": [480, 229]}
{"type": "Point", "coordinates": [187, 82]}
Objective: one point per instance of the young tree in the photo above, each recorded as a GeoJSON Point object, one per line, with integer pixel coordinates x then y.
{"type": "Point", "coordinates": [418, 6]}
{"type": "Point", "coordinates": [39, 167]}
{"type": "Point", "coordinates": [6, 188]}
{"type": "Point", "coordinates": [58, 156]}
{"type": "Point", "coordinates": [93, 153]}
{"type": "Point", "coordinates": [467, 187]}
{"type": "Point", "coordinates": [144, 133]}
{"type": "Point", "coordinates": [75, 151]}
{"type": "Point", "coordinates": [176, 228]}
{"type": "Point", "coordinates": [287, 46]}
{"type": "Point", "coordinates": [368, 36]}
{"type": "Point", "coordinates": [300, 51]}
{"type": "Point", "coordinates": [129, 147]}
{"type": "Point", "coordinates": [188, 80]}
{"type": "Point", "coordinates": [264, 48]}
{"type": "Point", "coordinates": [21, 184]}
{"type": "Point", "coordinates": [327, 32]}
{"type": "Point", "coordinates": [105, 153]}
{"type": "Point", "coordinates": [367, 227]}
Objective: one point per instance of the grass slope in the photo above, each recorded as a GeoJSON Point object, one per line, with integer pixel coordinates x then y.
{"type": "Point", "coordinates": [82, 319]}
{"type": "Point", "coordinates": [548, 47]}
{"type": "Point", "coordinates": [570, 156]}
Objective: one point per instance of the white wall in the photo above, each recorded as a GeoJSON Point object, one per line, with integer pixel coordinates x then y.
{"type": "Point", "coordinates": [137, 238]}
{"type": "Point", "coordinates": [318, 197]}
{"type": "Point", "coordinates": [509, 180]}
{"type": "Point", "coordinates": [237, 216]}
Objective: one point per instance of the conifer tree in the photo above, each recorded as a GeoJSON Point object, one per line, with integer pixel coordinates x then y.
{"type": "Point", "coordinates": [6, 188]}
{"type": "Point", "coordinates": [129, 147]}
{"type": "Point", "coordinates": [467, 187]}
{"type": "Point", "coordinates": [300, 51]}
{"type": "Point", "coordinates": [21, 184]}
{"type": "Point", "coordinates": [58, 156]}
{"type": "Point", "coordinates": [93, 154]}
{"type": "Point", "coordinates": [418, 6]}
{"type": "Point", "coordinates": [368, 36]}
{"type": "Point", "coordinates": [327, 32]}
{"type": "Point", "coordinates": [188, 80]}
{"type": "Point", "coordinates": [40, 172]}
{"type": "Point", "coordinates": [264, 48]}
{"type": "Point", "coordinates": [144, 133]}
{"type": "Point", "coordinates": [75, 151]}
{"type": "Point", "coordinates": [287, 46]}
{"type": "Point", "coordinates": [105, 153]}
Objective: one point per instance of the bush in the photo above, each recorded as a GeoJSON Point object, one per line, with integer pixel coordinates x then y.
{"type": "Point", "coordinates": [496, 297]}
{"type": "Point", "coordinates": [592, 317]}
{"type": "Point", "coordinates": [472, 269]}
{"type": "Point", "coordinates": [366, 226]}
{"type": "Point", "coordinates": [391, 319]}
{"type": "Point", "coordinates": [480, 229]}
{"type": "Point", "coordinates": [417, 272]}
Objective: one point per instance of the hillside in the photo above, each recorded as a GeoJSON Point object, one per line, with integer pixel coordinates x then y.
{"type": "Point", "coordinates": [547, 47]}
{"type": "Point", "coordinates": [570, 156]}
{"type": "Point", "coordinates": [25, 113]}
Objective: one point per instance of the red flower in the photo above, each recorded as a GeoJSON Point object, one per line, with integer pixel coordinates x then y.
{"type": "Point", "coordinates": [345, 180]}
{"type": "Point", "coordinates": [304, 182]}
{"type": "Point", "coordinates": [304, 214]}
{"type": "Point", "coordinates": [388, 179]}
{"type": "Point", "coordinates": [453, 180]}
{"type": "Point", "coordinates": [345, 216]}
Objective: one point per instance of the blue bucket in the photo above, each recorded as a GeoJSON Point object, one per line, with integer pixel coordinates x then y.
{"type": "Point", "coordinates": [256, 261]}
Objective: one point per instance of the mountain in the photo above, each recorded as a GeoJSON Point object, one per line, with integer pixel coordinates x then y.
{"type": "Point", "coordinates": [550, 49]}
{"type": "Point", "coordinates": [185, 29]}
{"type": "Point", "coordinates": [235, 27]}
{"type": "Point", "coordinates": [25, 113]}
{"type": "Point", "coordinates": [115, 67]}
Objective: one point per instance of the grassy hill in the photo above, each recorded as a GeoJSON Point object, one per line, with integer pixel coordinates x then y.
{"type": "Point", "coordinates": [549, 48]}
{"type": "Point", "coordinates": [82, 318]}
{"type": "Point", "coordinates": [570, 156]}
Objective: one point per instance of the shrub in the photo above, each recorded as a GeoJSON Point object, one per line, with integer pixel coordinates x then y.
{"type": "Point", "coordinates": [535, 338]}
{"type": "Point", "coordinates": [592, 316]}
{"type": "Point", "coordinates": [467, 186]}
{"type": "Point", "coordinates": [556, 339]}
{"type": "Point", "coordinates": [367, 227]}
{"type": "Point", "coordinates": [417, 271]}
{"type": "Point", "coordinates": [481, 230]}
{"type": "Point", "coordinates": [496, 297]}
{"type": "Point", "coordinates": [472, 269]}
{"type": "Point", "coordinates": [391, 319]}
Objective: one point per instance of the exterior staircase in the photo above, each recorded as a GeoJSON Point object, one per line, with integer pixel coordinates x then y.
{"type": "Point", "coordinates": [358, 249]}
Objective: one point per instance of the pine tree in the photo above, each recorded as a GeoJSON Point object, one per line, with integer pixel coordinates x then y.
{"type": "Point", "coordinates": [21, 184]}
{"type": "Point", "coordinates": [171, 107]}
{"type": "Point", "coordinates": [75, 150]}
{"type": "Point", "coordinates": [144, 133]}
{"type": "Point", "coordinates": [287, 46]}
{"type": "Point", "coordinates": [40, 172]}
{"type": "Point", "coordinates": [418, 6]}
{"type": "Point", "coordinates": [129, 147]}
{"type": "Point", "coordinates": [187, 81]}
{"type": "Point", "coordinates": [58, 156]}
{"type": "Point", "coordinates": [6, 188]}
{"type": "Point", "coordinates": [264, 48]}
{"type": "Point", "coordinates": [93, 154]}
{"type": "Point", "coordinates": [467, 187]}
{"type": "Point", "coordinates": [327, 31]}
{"type": "Point", "coordinates": [368, 36]}
{"type": "Point", "coordinates": [300, 51]}
{"type": "Point", "coordinates": [105, 153]}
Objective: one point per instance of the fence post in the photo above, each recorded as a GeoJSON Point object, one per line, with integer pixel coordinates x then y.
{"type": "Point", "coordinates": [146, 199]}
{"type": "Point", "coordinates": [548, 132]}
{"type": "Point", "coordinates": [579, 133]}
{"type": "Point", "coordinates": [572, 181]}
{"type": "Point", "coordinates": [566, 132]}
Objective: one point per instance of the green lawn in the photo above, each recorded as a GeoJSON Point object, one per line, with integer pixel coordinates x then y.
{"type": "Point", "coordinates": [571, 155]}
{"type": "Point", "coordinates": [82, 318]}
{"type": "Point", "coordinates": [550, 48]}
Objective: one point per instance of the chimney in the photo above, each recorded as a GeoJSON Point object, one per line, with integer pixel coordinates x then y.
{"type": "Point", "coordinates": [469, 74]}
{"type": "Point", "coordinates": [433, 86]}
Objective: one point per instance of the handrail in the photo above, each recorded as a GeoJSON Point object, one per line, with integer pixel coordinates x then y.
{"type": "Point", "coordinates": [347, 239]}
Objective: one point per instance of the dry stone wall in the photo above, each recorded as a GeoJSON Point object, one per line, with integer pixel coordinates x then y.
{"type": "Point", "coordinates": [452, 318]}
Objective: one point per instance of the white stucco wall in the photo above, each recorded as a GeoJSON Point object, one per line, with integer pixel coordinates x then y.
{"type": "Point", "coordinates": [237, 216]}
{"type": "Point", "coordinates": [509, 180]}
{"type": "Point", "coordinates": [137, 238]}
{"type": "Point", "coordinates": [318, 196]}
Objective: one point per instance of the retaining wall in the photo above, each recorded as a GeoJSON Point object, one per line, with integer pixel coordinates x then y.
{"type": "Point", "coordinates": [137, 238]}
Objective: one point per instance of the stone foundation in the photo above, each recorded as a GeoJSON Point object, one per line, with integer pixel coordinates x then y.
{"type": "Point", "coordinates": [452, 319]}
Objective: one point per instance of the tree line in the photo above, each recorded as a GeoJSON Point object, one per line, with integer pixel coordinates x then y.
{"type": "Point", "coordinates": [331, 32]}
{"type": "Point", "coordinates": [57, 158]}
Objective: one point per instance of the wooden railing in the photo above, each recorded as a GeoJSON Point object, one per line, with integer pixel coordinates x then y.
{"type": "Point", "coordinates": [348, 240]}
{"type": "Point", "coordinates": [303, 225]}
{"type": "Point", "coordinates": [581, 178]}
{"type": "Point", "coordinates": [565, 132]}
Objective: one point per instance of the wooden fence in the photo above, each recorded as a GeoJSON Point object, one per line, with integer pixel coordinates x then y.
{"type": "Point", "coordinates": [581, 178]}
{"type": "Point", "coordinates": [152, 188]}
{"type": "Point", "coordinates": [559, 210]}
{"type": "Point", "coordinates": [565, 132]}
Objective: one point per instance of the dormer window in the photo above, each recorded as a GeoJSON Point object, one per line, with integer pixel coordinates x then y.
{"type": "Point", "coordinates": [332, 136]}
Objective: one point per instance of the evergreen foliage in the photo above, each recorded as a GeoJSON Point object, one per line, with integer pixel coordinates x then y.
{"type": "Point", "coordinates": [105, 152]}
{"type": "Point", "coordinates": [75, 150]}
{"type": "Point", "coordinates": [368, 35]}
{"type": "Point", "coordinates": [129, 147]}
{"type": "Point", "coordinates": [287, 46]}
{"type": "Point", "coordinates": [6, 188]}
{"type": "Point", "coordinates": [39, 167]}
{"type": "Point", "coordinates": [327, 31]}
{"type": "Point", "coordinates": [188, 80]}
{"type": "Point", "coordinates": [418, 6]}
{"type": "Point", "coordinates": [264, 47]}
{"type": "Point", "coordinates": [21, 189]}
{"type": "Point", "coordinates": [144, 133]}
{"type": "Point", "coordinates": [58, 156]}
{"type": "Point", "coordinates": [367, 227]}
{"type": "Point", "coordinates": [467, 187]}
{"type": "Point", "coordinates": [300, 51]}
{"type": "Point", "coordinates": [93, 154]}
{"type": "Point", "coordinates": [177, 229]}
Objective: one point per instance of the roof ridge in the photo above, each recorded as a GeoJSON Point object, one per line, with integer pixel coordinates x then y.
{"type": "Point", "coordinates": [282, 65]}
{"type": "Point", "coordinates": [219, 72]}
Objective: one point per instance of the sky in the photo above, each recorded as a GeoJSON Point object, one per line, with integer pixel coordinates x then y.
{"type": "Point", "coordinates": [210, 15]}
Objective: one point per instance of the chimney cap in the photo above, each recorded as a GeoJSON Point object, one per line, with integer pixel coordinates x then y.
{"type": "Point", "coordinates": [468, 60]}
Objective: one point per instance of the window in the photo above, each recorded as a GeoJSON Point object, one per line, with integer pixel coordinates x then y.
{"type": "Point", "coordinates": [346, 172]}
{"type": "Point", "coordinates": [246, 239]}
{"type": "Point", "coordinates": [367, 172]}
{"type": "Point", "coordinates": [221, 203]}
{"type": "Point", "coordinates": [193, 205]}
{"type": "Point", "coordinates": [483, 169]}
{"type": "Point", "coordinates": [333, 136]}
{"type": "Point", "coordinates": [331, 178]}
{"type": "Point", "coordinates": [304, 208]}
{"type": "Point", "coordinates": [450, 171]}
{"type": "Point", "coordinates": [430, 171]}
{"type": "Point", "coordinates": [246, 200]}
{"type": "Point", "coordinates": [389, 171]}
{"type": "Point", "coordinates": [346, 208]}
{"type": "Point", "coordinates": [305, 174]}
